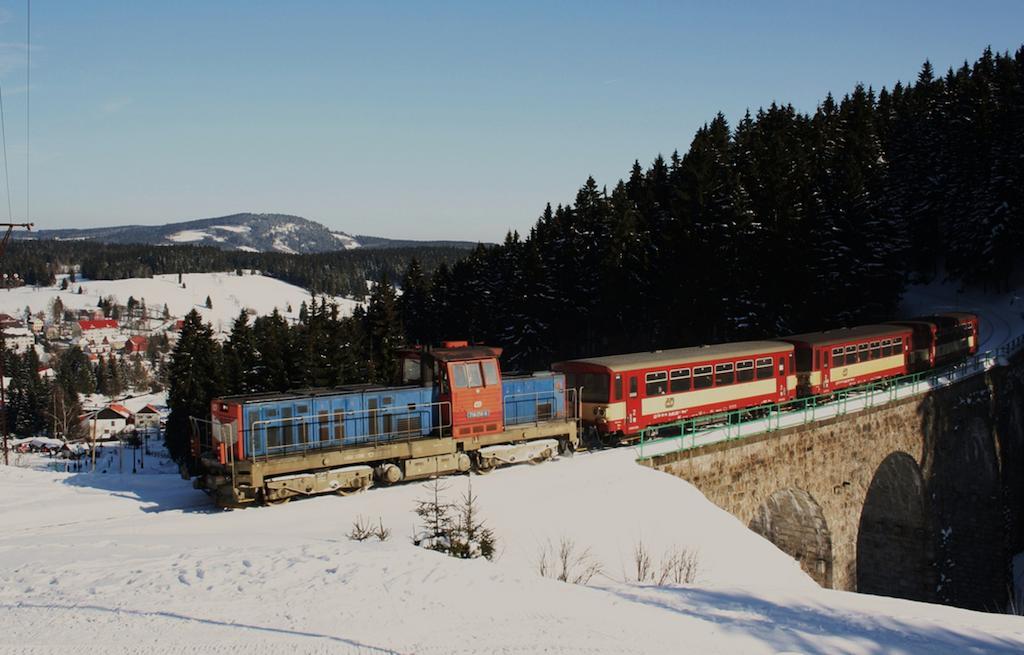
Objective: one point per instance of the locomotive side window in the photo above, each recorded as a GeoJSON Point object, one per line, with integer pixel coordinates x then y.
{"type": "Point", "coordinates": [837, 357]}
{"type": "Point", "coordinates": [875, 351]}
{"type": "Point", "coordinates": [656, 383]}
{"type": "Point", "coordinates": [701, 377]}
{"type": "Point", "coordinates": [322, 422]}
{"type": "Point", "coordinates": [886, 347]}
{"type": "Point", "coordinates": [618, 387]}
{"type": "Point", "coordinates": [765, 368]}
{"type": "Point", "coordinates": [745, 370]}
{"type": "Point", "coordinates": [339, 425]}
{"type": "Point", "coordinates": [680, 380]}
{"type": "Point", "coordinates": [723, 374]}
{"type": "Point", "coordinates": [862, 352]}
{"type": "Point", "coordinates": [303, 411]}
{"type": "Point", "coordinates": [490, 373]}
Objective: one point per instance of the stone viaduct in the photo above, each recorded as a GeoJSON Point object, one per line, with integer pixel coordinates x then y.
{"type": "Point", "coordinates": [921, 498]}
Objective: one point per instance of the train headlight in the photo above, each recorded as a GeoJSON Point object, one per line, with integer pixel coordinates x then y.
{"type": "Point", "coordinates": [600, 411]}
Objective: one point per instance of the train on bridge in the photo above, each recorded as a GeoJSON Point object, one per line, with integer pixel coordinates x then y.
{"type": "Point", "coordinates": [454, 410]}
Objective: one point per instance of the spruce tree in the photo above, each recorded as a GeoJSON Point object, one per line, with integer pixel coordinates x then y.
{"type": "Point", "coordinates": [195, 376]}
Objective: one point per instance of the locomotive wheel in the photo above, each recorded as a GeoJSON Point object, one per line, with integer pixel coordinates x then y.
{"type": "Point", "coordinates": [277, 501]}
{"type": "Point", "coordinates": [483, 466]}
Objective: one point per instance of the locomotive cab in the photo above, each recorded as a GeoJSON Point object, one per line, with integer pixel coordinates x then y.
{"type": "Point", "coordinates": [467, 385]}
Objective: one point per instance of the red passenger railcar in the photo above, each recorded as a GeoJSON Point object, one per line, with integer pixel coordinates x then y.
{"type": "Point", "coordinates": [941, 339]}
{"type": "Point", "coordinates": [837, 359]}
{"type": "Point", "coordinates": [622, 395]}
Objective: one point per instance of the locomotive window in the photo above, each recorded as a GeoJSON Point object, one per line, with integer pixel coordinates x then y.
{"type": "Point", "coordinates": [473, 376]}
{"type": "Point", "coordinates": [837, 357]}
{"type": "Point", "coordinates": [745, 371]}
{"type": "Point", "coordinates": [765, 368]}
{"type": "Point", "coordinates": [886, 347]}
{"type": "Point", "coordinates": [656, 383]}
{"type": "Point", "coordinates": [897, 346]}
{"type": "Point", "coordinates": [618, 387]}
{"type": "Point", "coordinates": [459, 375]}
{"type": "Point", "coordinates": [322, 422]}
{"type": "Point", "coordinates": [303, 411]}
{"type": "Point", "coordinates": [339, 425]}
{"type": "Point", "coordinates": [701, 377]}
{"type": "Point", "coordinates": [410, 371]}
{"type": "Point", "coordinates": [862, 352]}
{"type": "Point", "coordinates": [490, 373]}
{"type": "Point", "coordinates": [723, 374]}
{"type": "Point", "coordinates": [680, 380]}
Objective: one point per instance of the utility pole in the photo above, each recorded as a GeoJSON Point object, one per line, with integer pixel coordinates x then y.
{"type": "Point", "coordinates": [3, 393]}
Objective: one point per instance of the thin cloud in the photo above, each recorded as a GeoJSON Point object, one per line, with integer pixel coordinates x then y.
{"type": "Point", "coordinates": [115, 105]}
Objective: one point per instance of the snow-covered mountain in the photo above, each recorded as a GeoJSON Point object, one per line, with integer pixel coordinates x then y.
{"type": "Point", "coordinates": [250, 232]}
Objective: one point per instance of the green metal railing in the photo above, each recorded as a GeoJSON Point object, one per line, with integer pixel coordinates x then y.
{"type": "Point", "coordinates": [738, 424]}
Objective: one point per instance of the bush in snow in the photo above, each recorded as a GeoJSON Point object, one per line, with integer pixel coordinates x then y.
{"type": "Point", "coordinates": [362, 530]}
{"type": "Point", "coordinates": [679, 565]}
{"type": "Point", "coordinates": [568, 562]}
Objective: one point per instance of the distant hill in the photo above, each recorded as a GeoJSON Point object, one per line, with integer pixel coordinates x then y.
{"type": "Point", "coordinates": [247, 232]}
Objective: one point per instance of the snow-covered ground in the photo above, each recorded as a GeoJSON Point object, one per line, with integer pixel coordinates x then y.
{"type": "Point", "coordinates": [143, 564]}
{"type": "Point", "coordinates": [229, 294]}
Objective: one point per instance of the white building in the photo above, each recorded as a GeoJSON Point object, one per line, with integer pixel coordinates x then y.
{"type": "Point", "coordinates": [18, 339]}
{"type": "Point", "coordinates": [108, 422]}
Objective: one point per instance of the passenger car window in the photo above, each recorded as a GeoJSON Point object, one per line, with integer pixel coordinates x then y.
{"type": "Point", "coordinates": [632, 386]}
{"type": "Point", "coordinates": [701, 377]}
{"type": "Point", "coordinates": [745, 371]}
{"type": "Point", "coordinates": [679, 380]}
{"type": "Point", "coordinates": [655, 383]}
{"type": "Point", "coordinates": [765, 368]}
{"type": "Point", "coordinates": [723, 374]}
{"type": "Point", "coordinates": [618, 387]}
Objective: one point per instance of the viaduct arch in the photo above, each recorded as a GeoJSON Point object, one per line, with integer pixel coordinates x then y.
{"type": "Point", "coordinates": [921, 498]}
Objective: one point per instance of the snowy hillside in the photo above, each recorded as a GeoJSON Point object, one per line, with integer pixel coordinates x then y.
{"type": "Point", "coordinates": [123, 564]}
{"type": "Point", "coordinates": [228, 292]}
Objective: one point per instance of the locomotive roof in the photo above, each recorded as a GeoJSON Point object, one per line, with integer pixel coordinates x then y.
{"type": "Point", "coordinates": [842, 335]}
{"type": "Point", "coordinates": [675, 356]}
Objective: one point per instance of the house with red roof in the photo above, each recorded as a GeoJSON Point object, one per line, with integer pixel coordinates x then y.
{"type": "Point", "coordinates": [147, 417]}
{"type": "Point", "coordinates": [136, 344]}
{"type": "Point", "coordinates": [107, 422]}
{"type": "Point", "coordinates": [99, 335]}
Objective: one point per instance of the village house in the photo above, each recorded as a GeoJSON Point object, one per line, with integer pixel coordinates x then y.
{"type": "Point", "coordinates": [147, 417]}
{"type": "Point", "coordinates": [136, 344]}
{"type": "Point", "coordinates": [100, 336]}
{"type": "Point", "coordinates": [18, 339]}
{"type": "Point", "coordinates": [8, 321]}
{"type": "Point", "coordinates": [107, 422]}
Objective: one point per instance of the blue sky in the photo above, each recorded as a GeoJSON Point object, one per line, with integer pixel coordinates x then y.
{"type": "Point", "coordinates": [421, 120]}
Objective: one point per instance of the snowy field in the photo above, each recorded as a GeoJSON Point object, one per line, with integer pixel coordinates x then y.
{"type": "Point", "coordinates": [228, 292]}
{"type": "Point", "coordinates": [121, 563]}
{"type": "Point", "coordinates": [144, 564]}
